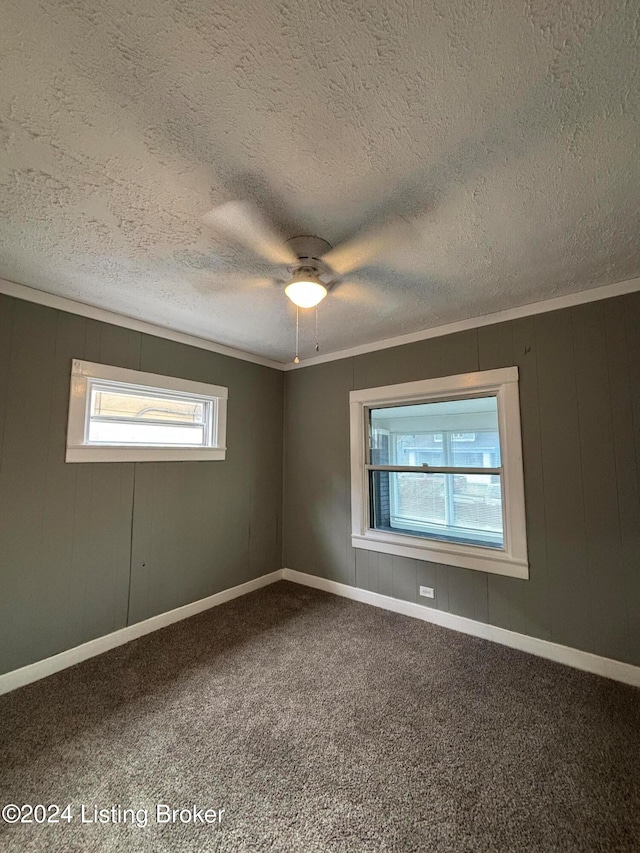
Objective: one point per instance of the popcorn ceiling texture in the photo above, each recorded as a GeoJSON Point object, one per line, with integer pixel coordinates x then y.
{"type": "Point", "coordinates": [507, 132]}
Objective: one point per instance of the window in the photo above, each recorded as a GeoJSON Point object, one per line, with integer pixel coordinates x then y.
{"type": "Point", "coordinates": [119, 415]}
{"type": "Point", "coordinates": [436, 471]}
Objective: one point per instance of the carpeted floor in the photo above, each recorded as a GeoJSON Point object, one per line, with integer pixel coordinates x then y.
{"type": "Point", "coordinates": [319, 724]}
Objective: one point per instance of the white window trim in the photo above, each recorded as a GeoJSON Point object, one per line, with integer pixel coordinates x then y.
{"type": "Point", "coordinates": [78, 451]}
{"type": "Point", "coordinates": [510, 560]}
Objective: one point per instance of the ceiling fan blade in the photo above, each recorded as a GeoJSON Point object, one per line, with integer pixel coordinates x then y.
{"type": "Point", "coordinates": [359, 252]}
{"type": "Point", "coordinates": [220, 285]}
{"type": "Point", "coordinates": [362, 294]}
{"type": "Point", "coordinates": [263, 284]}
{"type": "Point", "coordinates": [242, 222]}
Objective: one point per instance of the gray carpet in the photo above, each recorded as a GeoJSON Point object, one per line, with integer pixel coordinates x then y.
{"type": "Point", "coordinates": [320, 724]}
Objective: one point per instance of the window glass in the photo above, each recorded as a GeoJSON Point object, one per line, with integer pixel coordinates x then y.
{"type": "Point", "coordinates": [132, 433]}
{"type": "Point", "coordinates": [463, 507]}
{"type": "Point", "coordinates": [112, 403]}
{"type": "Point", "coordinates": [121, 416]}
{"type": "Point", "coordinates": [453, 507]}
{"type": "Point", "coordinates": [452, 433]}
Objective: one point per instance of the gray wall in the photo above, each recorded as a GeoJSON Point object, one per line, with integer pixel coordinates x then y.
{"type": "Point", "coordinates": [88, 548]}
{"type": "Point", "coordinates": [580, 406]}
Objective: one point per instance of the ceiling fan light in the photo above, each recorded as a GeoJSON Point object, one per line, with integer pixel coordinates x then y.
{"type": "Point", "coordinates": [305, 292]}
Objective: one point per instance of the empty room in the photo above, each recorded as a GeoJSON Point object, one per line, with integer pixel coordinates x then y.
{"type": "Point", "coordinates": [320, 426]}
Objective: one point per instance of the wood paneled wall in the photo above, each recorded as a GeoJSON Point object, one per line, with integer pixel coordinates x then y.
{"type": "Point", "coordinates": [88, 548]}
{"type": "Point", "coordinates": [580, 408]}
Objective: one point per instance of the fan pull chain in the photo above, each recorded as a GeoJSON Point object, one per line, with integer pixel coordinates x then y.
{"type": "Point", "coordinates": [317, 343]}
{"type": "Point", "coordinates": [296, 360]}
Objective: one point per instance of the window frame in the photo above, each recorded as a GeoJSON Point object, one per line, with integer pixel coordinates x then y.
{"type": "Point", "coordinates": [511, 559]}
{"type": "Point", "coordinates": [83, 376]}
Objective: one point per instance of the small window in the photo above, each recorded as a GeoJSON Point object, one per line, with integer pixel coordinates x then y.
{"type": "Point", "coordinates": [119, 415]}
{"type": "Point", "coordinates": [437, 471]}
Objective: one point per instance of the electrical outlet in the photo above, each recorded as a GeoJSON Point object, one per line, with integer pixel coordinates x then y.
{"type": "Point", "coordinates": [427, 591]}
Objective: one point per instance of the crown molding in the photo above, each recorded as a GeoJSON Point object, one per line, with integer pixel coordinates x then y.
{"type": "Point", "coordinates": [61, 303]}
{"type": "Point", "coordinates": [607, 291]}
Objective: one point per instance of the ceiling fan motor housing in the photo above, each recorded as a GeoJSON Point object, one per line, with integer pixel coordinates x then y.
{"type": "Point", "coordinates": [309, 251]}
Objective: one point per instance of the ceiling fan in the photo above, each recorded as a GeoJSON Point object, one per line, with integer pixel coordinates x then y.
{"type": "Point", "coordinates": [312, 266]}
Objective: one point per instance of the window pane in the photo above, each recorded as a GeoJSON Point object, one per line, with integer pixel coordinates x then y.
{"type": "Point", "coordinates": [121, 415]}
{"type": "Point", "coordinates": [451, 433]}
{"type": "Point", "coordinates": [113, 432]}
{"type": "Point", "coordinates": [454, 507]}
{"type": "Point", "coordinates": [119, 404]}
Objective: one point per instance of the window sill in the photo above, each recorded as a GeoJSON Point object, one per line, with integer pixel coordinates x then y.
{"type": "Point", "coordinates": [144, 454]}
{"type": "Point", "coordinates": [447, 553]}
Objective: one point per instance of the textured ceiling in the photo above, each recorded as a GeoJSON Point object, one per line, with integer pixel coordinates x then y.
{"type": "Point", "coordinates": [507, 132]}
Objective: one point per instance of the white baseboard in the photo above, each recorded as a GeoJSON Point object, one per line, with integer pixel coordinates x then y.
{"type": "Point", "coordinates": [70, 657]}
{"type": "Point", "coordinates": [607, 667]}
{"type": "Point", "coordinates": [586, 661]}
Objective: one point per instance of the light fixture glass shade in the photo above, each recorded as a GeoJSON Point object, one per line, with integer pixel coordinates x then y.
{"type": "Point", "coordinates": [305, 293]}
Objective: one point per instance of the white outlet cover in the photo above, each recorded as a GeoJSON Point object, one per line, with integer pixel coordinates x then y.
{"type": "Point", "coordinates": [427, 591]}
